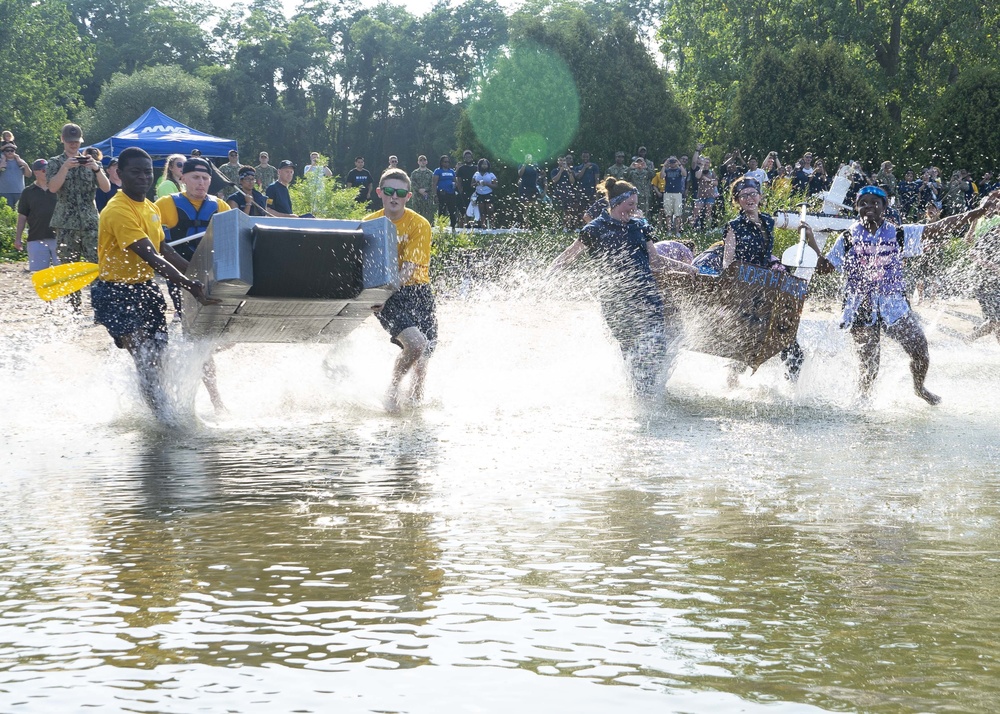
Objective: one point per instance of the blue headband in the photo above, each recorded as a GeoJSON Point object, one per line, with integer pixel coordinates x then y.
{"type": "Point", "coordinates": [874, 191]}
{"type": "Point", "coordinates": [621, 198]}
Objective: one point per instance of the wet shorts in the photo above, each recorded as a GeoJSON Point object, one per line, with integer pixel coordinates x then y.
{"type": "Point", "coordinates": [127, 309]}
{"type": "Point", "coordinates": [410, 306]}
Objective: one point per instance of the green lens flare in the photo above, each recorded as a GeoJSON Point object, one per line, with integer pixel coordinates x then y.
{"type": "Point", "coordinates": [526, 104]}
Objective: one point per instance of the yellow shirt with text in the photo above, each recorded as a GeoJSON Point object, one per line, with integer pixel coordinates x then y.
{"type": "Point", "coordinates": [122, 223]}
{"type": "Point", "coordinates": [413, 234]}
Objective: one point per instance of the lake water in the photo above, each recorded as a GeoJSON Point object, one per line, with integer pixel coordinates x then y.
{"type": "Point", "coordinates": [532, 539]}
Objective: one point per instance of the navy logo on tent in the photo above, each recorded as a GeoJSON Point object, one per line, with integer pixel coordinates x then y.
{"type": "Point", "coordinates": [160, 129]}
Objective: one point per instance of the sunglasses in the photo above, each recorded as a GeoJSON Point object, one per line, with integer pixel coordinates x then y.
{"type": "Point", "coordinates": [9, 151]}
{"type": "Point", "coordinates": [401, 192]}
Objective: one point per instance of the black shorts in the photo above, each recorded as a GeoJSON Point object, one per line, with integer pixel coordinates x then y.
{"type": "Point", "coordinates": [130, 308]}
{"type": "Point", "coordinates": [410, 306]}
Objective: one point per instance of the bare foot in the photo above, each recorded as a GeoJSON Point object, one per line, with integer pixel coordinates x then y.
{"type": "Point", "coordinates": [391, 401]}
{"type": "Point", "coordinates": [931, 399]}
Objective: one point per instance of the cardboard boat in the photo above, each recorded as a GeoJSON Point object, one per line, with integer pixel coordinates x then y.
{"type": "Point", "coordinates": [289, 279]}
{"type": "Point", "coordinates": [748, 313]}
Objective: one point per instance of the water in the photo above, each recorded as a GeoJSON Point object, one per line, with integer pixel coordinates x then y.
{"type": "Point", "coordinates": [532, 538]}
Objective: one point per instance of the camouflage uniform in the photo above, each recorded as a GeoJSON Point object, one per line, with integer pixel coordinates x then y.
{"type": "Point", "coordinates": [617, 171]}
{"type": "Point", "coordinates": [641, 179]}
{"type": "Point", "coordinates": [426, 207]}
{"type": "Point", "coordinates": [232, 172]}
{"type": "Point", "coordinates": [266, 175]}
{"type": "Point", "coordinates": [75, 216]}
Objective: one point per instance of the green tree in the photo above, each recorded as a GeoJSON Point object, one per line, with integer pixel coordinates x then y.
{"type": "Point", "coordinates": [126, 97]}
{"type": "Point", "coordinates": [963, 126]}
{"type": "Point", "coordinates": [812, 98]}
{"type": "Point", "coordinates": [43, 66]}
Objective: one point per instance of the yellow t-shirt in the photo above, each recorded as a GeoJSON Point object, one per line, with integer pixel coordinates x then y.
{"type": "Point", "coordinates": [168, 209]}
{"type": "Point", "coordinates": [413, 234]}
{"type": "Point", "coordinates": [122, 223]}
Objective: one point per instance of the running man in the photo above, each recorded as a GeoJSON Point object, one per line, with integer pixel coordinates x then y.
{"type": "Point", "coordinates": [409, 313]}
{"type": "Point", "coordinates": [130, 249]}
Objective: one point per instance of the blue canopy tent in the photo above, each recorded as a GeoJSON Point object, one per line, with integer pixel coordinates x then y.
{"type": "Point", "coordinates": [159, 135]}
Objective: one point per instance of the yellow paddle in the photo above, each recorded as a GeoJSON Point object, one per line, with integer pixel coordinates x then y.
{"type": "Point", "coordinates": [60, 280]}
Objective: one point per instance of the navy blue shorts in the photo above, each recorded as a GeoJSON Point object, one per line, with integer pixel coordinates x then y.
{"type": "Point", "coordinates": [410, 306]}
{"type": "Point", "coordinates": [127, 308]}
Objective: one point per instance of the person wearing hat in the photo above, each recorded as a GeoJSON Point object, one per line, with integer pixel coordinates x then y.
{"type": "Point", "coordinates": [35, 211]}
{"type": "Point", "coordinates": [279, 201]}
{"type": "Point", "coordinates": [132, 251]}
{"type": "Point", "coordinates": [266, 174]}
{"type": "Point", "coordinates": [75, 177]}
{"type": "Point", "coordinates": [13, 171]}
{"type": "Point", "coordinates": [231, 170]}
{"type": "Point", "coordinates": [248, 199]}
{"type": "Point", "coordinates": [870, 255]}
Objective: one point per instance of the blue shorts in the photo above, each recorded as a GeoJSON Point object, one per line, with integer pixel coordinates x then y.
{"type": "Point", "coordinates": [127, 309]}
{"type": "Point", "coordinates": [410, 306]}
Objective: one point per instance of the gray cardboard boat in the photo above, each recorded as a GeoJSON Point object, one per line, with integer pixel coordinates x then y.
{"type": "Point", "coordinates": [289, 279]}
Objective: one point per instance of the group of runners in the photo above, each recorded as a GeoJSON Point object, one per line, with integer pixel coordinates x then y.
{"type": "Point", "coordinates": [133, 247]}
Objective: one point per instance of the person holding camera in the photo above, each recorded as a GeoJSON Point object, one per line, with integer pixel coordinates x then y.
{"type": "Point", "coordinates": [74, 177]}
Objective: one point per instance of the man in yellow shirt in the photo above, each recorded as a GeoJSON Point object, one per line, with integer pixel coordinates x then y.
{"type": "Point", "coordinates": [409, 313]}
{"type": "Point", "coordinates": [130, 249]}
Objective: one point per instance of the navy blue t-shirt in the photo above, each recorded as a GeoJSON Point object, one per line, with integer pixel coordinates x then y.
{"type": "Point", "coordinates": [446, 180]}
{"type": "Point", "coordinates": [673, 181]}
{"type": "Point", "coordinates": [588, 180]}
{"type": "Point", "coordinates": [278, 197]}
{"type": "Point", "coordinates": [362, 180]}
{"type": "Point", "coordinates": [527, 185]}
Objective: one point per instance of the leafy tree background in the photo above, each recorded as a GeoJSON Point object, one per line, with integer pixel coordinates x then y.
{"type": "Point", "coordinates": [870, 79]}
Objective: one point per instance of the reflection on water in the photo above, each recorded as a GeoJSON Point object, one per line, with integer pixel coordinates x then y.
{"type": "Point", "coordinates": [532, 538]}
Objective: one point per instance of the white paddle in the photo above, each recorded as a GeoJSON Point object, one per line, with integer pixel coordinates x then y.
{"type": "Point", "coordinates": [800, 257]}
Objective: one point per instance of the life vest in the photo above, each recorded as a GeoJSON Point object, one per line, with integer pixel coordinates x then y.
{"type": "Point", "coordinates": [190, 221]}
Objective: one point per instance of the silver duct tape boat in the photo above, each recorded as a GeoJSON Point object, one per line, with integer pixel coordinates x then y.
{"type": "Point", "coordinates": [289, 279]}
{"type": "Point", "coordinates": [820, 223]}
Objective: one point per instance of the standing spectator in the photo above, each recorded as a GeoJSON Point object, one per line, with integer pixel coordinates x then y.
{"type": "Point", "coordinates": [393, 163]}
{"type": "Point", "coordinates": [820, 179]}
{"type": "Point", "coordinates": [954, 199]}
{"type": "Point", "coordinates": [485, 182]}
{"type": "Point", "coordinates": [465, 172]}
{"type": "Point", "coordinates": [102, 197]}
{"type": "Point", "coordinates": [74, 178]}
{"type": "Point", "coordinates": [640, 175]}
{"type": "Point", "coordinates": [13, 171]}
{"type": "Point", "coordinates": [929, 191]}
{"type": "Point", "coordinates": [360, 178]}
{"type": "Point", "coordinates": [314, 165]}
{"type": "Point", "coordinates": [708, 193]}
{"type": "Point", "coordinates": [858, 181]}
{"type": "Point", "coordinates": [673, 175]}
{"type": "Point", "coordinates": [527, 180]}
{"type": "Point", "coordinates": [906, 195]}
{"type": "Point", "coordinates": [35, 210]}
{"type": "Point", "coordinates": [772, 166]}
{"type": "Point", "coordinates": [755, 172]}
{"type": "Point", "coordinates": [733, 167]}
{"type": "Point", "coordinates": [618, 169]}
{"type": "Point", "coordinates": [641, 153]}
{"type": "Point", "coordinates": [422, 185]}
{"type": "Point", "coordinates": [231, 169]}
{"type": "Point", "coordinates": [445, 187]}
{"type": "Point", "coordinates": [803, 170]}
{"type": "Point", "coordinates": [561, 190]}
{"type": "Point", "coordinates": [266, 174]}
{"type": "Point", "coordinates": [585, 176]}
{"type": "Point", "coordinates": [987, 184]}
{"type": "Point", "coordinates": [279, 201]}
{"type": "Point", "coordinates": [971, 190]}
{"type": "Point", "coordinates": [248, 199]}
{"type": "Point", "coordinates": [170, 181]}
{"type": "Point", "coordinates": [885, 179]}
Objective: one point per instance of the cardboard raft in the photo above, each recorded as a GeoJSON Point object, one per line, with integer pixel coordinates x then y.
{"type": "Point", "coordinates": [748, 314]}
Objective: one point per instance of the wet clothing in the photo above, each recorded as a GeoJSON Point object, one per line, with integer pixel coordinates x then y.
{"type": "Point", "coordinates": [184, 217]}
{"type": "Point", "coordinates": [754, 244]}
{"type": "Point", "coordinates": [240, 199]}
{"type": "Point", "coordinates": [130, 308]}
{"type": "Point", "coordinates": [630, 298]}
{"type": "Point", "coordinates": [875, 290]}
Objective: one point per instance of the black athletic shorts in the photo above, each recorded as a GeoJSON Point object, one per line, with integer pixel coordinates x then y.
{"type": "Point", "coordinates": [410, 306]}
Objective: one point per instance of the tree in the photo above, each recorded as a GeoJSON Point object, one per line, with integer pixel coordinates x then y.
{"type": "Point", "coordinates": [810, 99]}
{"type": "Point", "coordinates": [170, 89]}
{"type": "Point", "coordinates": [964, 124]}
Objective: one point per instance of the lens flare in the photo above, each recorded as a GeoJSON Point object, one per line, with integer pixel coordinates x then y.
{"type": "Point", "coordinates": [526, 104]}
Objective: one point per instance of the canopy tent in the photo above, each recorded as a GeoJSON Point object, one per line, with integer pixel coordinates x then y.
{"type": "Point", "coordinates": [159, 135]}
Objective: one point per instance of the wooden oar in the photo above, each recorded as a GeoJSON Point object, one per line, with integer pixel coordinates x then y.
{"type": "Point", "coordinates": [61, 280]}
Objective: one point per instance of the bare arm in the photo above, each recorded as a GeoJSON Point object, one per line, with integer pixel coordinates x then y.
{"type": "Point", "coordinates": [22, 221]}
{"type": "Point", "coordinates": [729, 252]}
{"type": "Point", "coordinates": [171, 266]}
{"type": "Point", "coordinates": [962, 221]}
{"type": "Point", "coordinates": [567, 256]}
